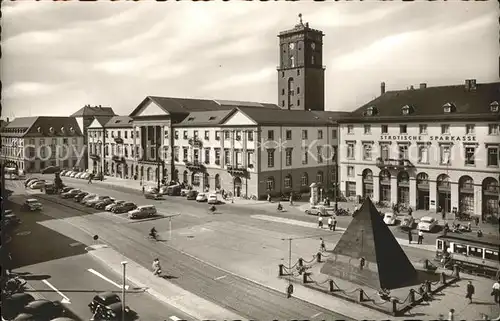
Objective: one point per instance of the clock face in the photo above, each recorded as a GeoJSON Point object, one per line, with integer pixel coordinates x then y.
{"type": "Point", "coordinates": [292, 46]}
{"type": "Point", "coordinates": [313, 46]}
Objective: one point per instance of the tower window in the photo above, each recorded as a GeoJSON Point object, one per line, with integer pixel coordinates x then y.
{"type": "Point", "coordinates": [298, 90]}
{"type": "Point", "coordinates": [283, 91]}
{"type": "Point", "coordinates": [298, 72]}
{"type": "Point", "coordinates": [292, 61]}
{"type": "Point", "coordinates": [282, 103]}
{"type": "Point", "coordinates": [312, 60]}
{"type": "Point", "coordinates": [283, 74]}
{"type": "Point", "coordinates": [298, 102]}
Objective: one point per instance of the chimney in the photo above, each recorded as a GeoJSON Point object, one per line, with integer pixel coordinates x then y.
{"type": "Point", "coordinates": [423, 85]}
{"type": "Point", "coordinates": [382, 88]}
{"type": "Point", "coordinates": [470, 85]}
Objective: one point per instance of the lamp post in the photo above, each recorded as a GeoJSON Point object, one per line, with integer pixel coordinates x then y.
{"type": "Point", "coordinates": [101, 157]}
{"type": "Point", "coordinates": [170, 225]}
{"type": "Point", "coordinates": [124, 264]}
{"type": "Point", "coordinates": [158, 164]}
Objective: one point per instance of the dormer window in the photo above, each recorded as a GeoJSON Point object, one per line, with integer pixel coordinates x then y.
{"type": "Point", "coordinates": [72, 130]}
{"type": "Point", "coordinates": [494, 107]}
{"type": "Point", "coordinates": [406, 110]}
{"type": "Point", "coordinates": [62, 130]}
{"type": "Point", "coordinates": [39, 129]}
{"type": "Point", "coordinates": [51, 130]}
{"type": "Point", "coordinates": [190, 118]}
{"type": "Point", "coordinates": [370, 111]}
{"type": "Point", "coordinates": [448, 108]}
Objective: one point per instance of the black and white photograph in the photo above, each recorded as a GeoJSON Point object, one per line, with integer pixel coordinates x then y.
{"type": "Point", "coordinates": [250, 160]}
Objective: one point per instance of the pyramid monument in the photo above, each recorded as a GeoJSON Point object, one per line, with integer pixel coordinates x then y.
{"type": "Point", "coordinates": [368, 254]}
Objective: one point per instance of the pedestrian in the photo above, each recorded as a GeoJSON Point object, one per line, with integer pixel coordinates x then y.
{"type": "Point", "coordinates": [495, 291]}
{"type": "Point", "coordinates": [334, 225]}
{"type": "Point", "coordinates": [156, 267]}
{"type": "Point", "coordinates": [451, 315]}
{"type": "Point", "coordinates": [320, 221]}
{"type": "Point", "coordinates": [330, 223]}
{"type": "Point", "coordinates": [143, 189]}
{"type": "Point", "coordinates": [470, 291]}
{"type": "Point", "coordinates": [410, 210]}
{"type": "Point", "coordinates": [289, 290]}
{"type": "Point", "coordinates": [476, 220]}
{"type": "Point", "coordinates": [90, 178]}
{"type": "Point", "coordinates": [443, 214]}
{"type": "Point", "coordinates": [322, 247]}
{"type": "Point", "coordinates": [269, 197]}
{"type": "Point", "coordinates": [420, 236]}
{"type": "Point", "coordinates": [410, 236]}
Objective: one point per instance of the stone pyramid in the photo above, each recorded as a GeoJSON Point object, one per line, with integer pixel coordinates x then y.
{"type": "Point", "coordinates": [368, 239]}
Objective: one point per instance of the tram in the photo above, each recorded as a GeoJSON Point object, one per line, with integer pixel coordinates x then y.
{"type": "Point", "coordinates": [474, 255]}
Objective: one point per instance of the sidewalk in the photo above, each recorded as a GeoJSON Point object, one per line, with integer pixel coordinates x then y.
{"type": "Point", "coordinates": [160, 288]}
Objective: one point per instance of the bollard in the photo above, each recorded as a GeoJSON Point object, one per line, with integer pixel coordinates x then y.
{"type": "Point", "coordinates": [361, 295]}
{"type": "Point", "coordinates": [428, 286]}
{"type": "Point", "coordinates": [394, 306]}
{"type": "Point", "coordinates": [443, 278]}
{"type": "Point", "coordinates": [304, 277]}
{"type": "Point", "coordinates": [318, 257]}
{"type": "Point", "coordinates": [301, 262]}
{"type": "Point", "coordinates": [426, 264]}
{"type": "Point", "coordinates": [281, 270]}
{"type": "Point", "coordinates": [456, 271]}
{"type": "Point", "coordinates": [332, 288]}
{"type": "Point", "coordinates": [412, 296]}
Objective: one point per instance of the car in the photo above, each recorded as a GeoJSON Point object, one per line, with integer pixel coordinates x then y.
{"type": "Point", "coordinates": [143, 211]}
{"type": "Point", "coordinates": [50, 189]}
{"type": "Point", "coordinates": [111, 206]}
{"type": "Point", "coordinates": [63, 319]}
{"type": "Point", "coordinates": [153, 196]}
{"type": "Point", "coordinates": [407, 222]}
{"type": "Point", "coordinates": [88, 198]}
{"type": "Point", "coordinates": [78, 197]}
{"type": "Point", "coordinates": [213, 199]}
{"type": "Point", "coordinates": [319, 210]}
{"type": "Point", "coordinates": [108, 306]}
{"type": "Point", "coordinates": [151, 189]}
{"type": "Point", "coordinates": [14, 304]}
{"type": "Point", "coordinates": [201, 197]}
{"type": "Point", "coordinates": [68, 173]}
{"type": "Point", "coordinates": [38, 184]}
{"type": "Point", "coordinates": [72, 175]}
{"type": "Point", "coordinates": [163, 190]}
{"type": "Point", "coordinates": [71, 193]}
{"type": "Point", "coordinates": [125, 207]}
{"type": "Point", "coordinates": [184, 191]}
{"type": "Point", "coordinates": [94, 201]}
{"type": "Point", "coordinates": [66, 189]}
{"type": "Point", "coordinates": [389, 218]}
{"type": "Point", "coordinates": [174, 190]}
{"type": "Point", "coordinates": [78, 175]}
{"type": "Point", "coordinates": [427, 224]}
{"type": "Point", "coordinates": [102, 204]}
{"type": "Point", "coordinates": [32, 204]}
{"type": "Point", "coordinates": [285, 197]}
{"type": "Point", "coordinates": [10, 219]}
{"type": "Point", "coordinates": [85, 176]}
{"type": "Point", "coordinates": [64, 171]}
{"type": "Point", "coordinates": [44, 310]}
{"type": "Point", "coordinates": [191, 195]}
{"type": "Point", "coordinates": [51, 170]}
{"type": "Point", "coordinates": [29, 181]}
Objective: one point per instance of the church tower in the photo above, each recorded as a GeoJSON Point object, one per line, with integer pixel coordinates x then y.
{"type": "Point", "coordinates": [301, 74]}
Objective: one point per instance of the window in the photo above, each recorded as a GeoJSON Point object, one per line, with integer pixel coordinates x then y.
{"type": "Point", "coordinates": [385, 129]}
{"type": "Point", "coordinates": [288, 135]}
{"type": "Point", "coordinates": [126, 133]}
{"type": "Point", "coordinates": [217, 135]}
{"type": "Point", "coordinates": [305, 155]}
{"type": "Point", "coordinates": [185, 134]}
{"type": "Point", "coordinates": [270, 183]}
{"type": "Point", "coordinates": [184, 154]}
{"type": "Point", "coordinates": [176, 153]}
{"type": "Point", "coordinates": [493, 129]}
{"type": "Point", "coordinates": [288, 181]}
{"type": "Point", "coordinates": [494, 107]}
{"type": "Point", "coordinates": [195, 134]}
{"type": "Point", "coordinates": [459, 248]}
{"type": "Point", "coordinates": [112, 133]}
{"type": "Point", "coordinates": [304, 134]}
{"type": "Point", "coordinates": [298, 88]}
{"type": "Point", "coordinates": [304, 180]}
{"type": "Point", "coordinates": [470, 155]}
{"type": "Point", "coordinates": [492, 156]}
{"type": "Point", "coordinates": [250, 159]}
{"type": "Point", "coordinates": [217, 156]}
{"type": "Point", "coordinates": [207, 136]}
{"type": "Point", "coordinates": [403, 129]}
{"type": "Point", "coordinates": [491, 255]}
{"type": "Point", "coordinates": [350, 129]}
{"type": "Point", "coordinates": [422, 129]}
{"type": "Point", "coordinates": [445, 129]}
{"type": "Point", "coordinates": [350, 150]}
{"type": "Point", "coordinates": [350, 189]}
{"type": "Point", "coordinates": [334, 133]}
{"type": "Point", "coordinates": [132, 134]}
{"type": "Point", "coordinates": [288, 157]}
{"type": "Point", "coordinates": [176, 134]}
{"type": "Point", "coordinates": [406, 110]}
{"type": "Point", "coordinates": [227, 135]}
{"type": "Point", "coordinates": [403, 152]}
{"type": "Point", "coordinates": [470, 129]}
{"type": "Point", "coordinates": [445, 154]}
{"type": "Point", "coordinates": [65, 141]}
{"type": "Point", "coordinates": [367, 151]}
{"type": "Point", "coordinates": [238, 160]}
{"type": "Point", "coordinates": [423, 154]}
{"type": "Point", "coordinates": [227, 157]}
{"type": "Point", "coordinates": [350, 171]}
{"type": "Point", "coordinates": [319, 177]}
{"type": "Point", "coordinates": [368, 129]}
{"type": "Point", "coordinates": [282, 103]}
{"type": "Point", "coordinates": [320, 134]}
{"type": "Point", "coordinates": [207, 155]}
{"type": "Point", "coordinates": [283, 91]}
{"type": "Point", "coordinates": [250, 136]}
{"type": "Point", "coordinates": [298, 102]}
{"type": "Point", "coordinates": [320, 154]}
{"type": "Point", "coordinates": [238, 135]}
{"type": "Point", "coordinates": [270, 158]}
{"type": "Point", "coordinates": [270, 134]}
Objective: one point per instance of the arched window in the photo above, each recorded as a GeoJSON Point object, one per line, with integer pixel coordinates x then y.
{"type": "Point", "coordinates": [270, 183]}
{"type": "Point", "coordinates": [443, 181]}
{"type": "Point", "coordinates": [304, 180]}
{"type": "Point", "coordinates": [466, 182]}
{"type": "Point", "coordinates": [385, 176]}
{"type": "Point", "coordinates": [367, 175]}
{"type": "Point", "coordinates": [422, 179]}
{"type": "Point", "coordinates": [403, 177]}
{"type": "Point", "coordinates": [288, 181]}
{"type": "Point", "coordinates": [319, 177]}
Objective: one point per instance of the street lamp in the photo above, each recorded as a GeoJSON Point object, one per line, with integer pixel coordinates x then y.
{"type": "Point", "coordinates": [158, 164]}
{"type": "Point", "coordinates": [101, 156]}
{"type": "Point", "coordinates": [170, 226]}
{"type": "Point", "coordinates": [124, 264]}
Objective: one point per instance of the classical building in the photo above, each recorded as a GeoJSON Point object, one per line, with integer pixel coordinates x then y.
{"type": "Point", "coordinates": [33, 143]}
{"type": "Point", "coordinates": [429, 148]}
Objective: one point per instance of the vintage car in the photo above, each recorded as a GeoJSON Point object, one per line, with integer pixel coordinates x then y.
{"type": "Point", "coordinates": [14, 304]}
{"type": "Point", "coordinates": [78, 197]}
{"type": "Point", "coordinates": [44, 310]}
{"type": "Point", "coordinates": [38, 184]}
{"type": "Point", "coordinates": [319, 210]}
{"type": "Point", "coordinates": [143, 211]}
{"type": "Point", "coordinates": [51, 170]}
{"type": "Point", "coordinates": [202, 197]}
{"type": "Point", "coordinates": [29, 181]}
{"type": "Point", "coordinates": [153, 196]}
{"type": "Point", "coordinates": [71, 193]}
{"type": "Point", "coordinates": [108, 306]}
{"type": "Point", "coordinates": [88, 198]}
{"type": "Point", "coordinates": [390, 218]}
{"type": "Point", "coordinates": [427, 224]}
{"type": "Point", "coordinates": [50, 189]}
{"type": "Point", "coordinates": [407, 222]}
{"type": "Point", "coordinates": [125, 207]}
{"type": "Point", "coordinates": [92, 202]}
{"type": "Point", "coordinates": [102, 204]}
{"type": "Point", "coordinates": [213, 199]}
{"type": "Point", "coordinates": [32, 204]}
{"type": "Point", "coordinates": [111, 206]}
{"type": "Point", "coordinates": [191, 195]}
{"type": "Point", "coordinates": [10, 219]}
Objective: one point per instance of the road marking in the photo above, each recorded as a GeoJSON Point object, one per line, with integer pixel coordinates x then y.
{"type": "Point", "coordinates": [106, 279]}
{"type": "Point", "coordinates": [75, 244]}
{"type": "Point", "coordinates": [316, 315]}
{"type": "Point", "coordinates": [220, 277]}
{"type": "Point", "coordinates": [174, 318]}
{"type": "Point", "coordinates": [65, 299]}
{"type": "Point", "coordinates": [23, 233]}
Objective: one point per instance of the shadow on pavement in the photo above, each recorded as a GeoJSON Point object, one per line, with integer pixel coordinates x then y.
{"type": "Point", "coordinates": [36, 277]}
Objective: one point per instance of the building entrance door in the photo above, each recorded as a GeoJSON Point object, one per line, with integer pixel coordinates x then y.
{"type": "Point", "coordinates": [237, 187]}
{"type": "Point", "coordinates": [445, 201]}
{"type": "Point", "coordinates": [404, 195]}
{"type": "Point", "coordinates": [423, 200]}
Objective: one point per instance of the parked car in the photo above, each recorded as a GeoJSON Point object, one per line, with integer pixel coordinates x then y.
{"type": "Point", "coordinates": [50, 170]}
{"type": "Point", "coordinates": [184, 191]}
{"type": "Point", "coordinates": [407, 222]}
{"type": "Point", "coordinates": [32, 204]}
{"type": "Point", "coordinates": [63, 319]}
{"type": "Point", "coordinates": [94, 201]}
{"type": "Point", "coordinates": [88, 198]}
{"type": "Point", "coordinates": [111, 206]}
{"type": "Point", "coordinates": [68, 173]}
{"type": "Point", "coordinates": [163, 190]}
{"type": "Point", "coordinates": [72, 175]}
{"type": "Point", "coordinates": [153, 196]}
{"type": "Point", "coordinates": [66, 189]}
{"type": "Point", "coordinates": [319, 210]}
{"type": "Point", "coordinates": [63, 172]}
{"type": "Point", "coordinates": [50, 189]}
{"type": "Point", "coordinates": [78, 197]}
{"type": "Point", "coordinates": [174, 190]}
{"type": "Point", "coordinates": [85, 176]}
{"type": "Point", "coordinates": [71, 193]}
{"type": "Point", "coordinates": [102, 204]}
{"type": "Point", "coordinates": [14, 304]}
{"type": "Point", "coordinates": [202, 197]}
{"type": "Point", "coordinates": [151, 189]}
{"type": "Point", "coordinates": [389, 218]}
{"type": "Point", "coordinates": [10, 219]}
{"type": "Point", "coordinates": [38, 184]}
{"type": "Point", "coordinates": [143, 211]}
{"type": "Point", "coordinates": [213, 199]}
{"type": "Point", "coordinates": [427, 224]}
{"type": "Point", "coordinates": [191, 195]}
{"type": "Point", "coordinates": [29, 181]}
{"type": "Point", "coordinates": [44, 310]}
{"type": "Point", "coordinates": [108, 306]}
{"type": "Point", "coordinates": [125, 207]}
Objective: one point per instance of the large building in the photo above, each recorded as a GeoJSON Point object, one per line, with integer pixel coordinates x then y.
{"type": "Point", "coordinates": [32, 143]}
{"type": "Point", "coordinates": [428, 148]}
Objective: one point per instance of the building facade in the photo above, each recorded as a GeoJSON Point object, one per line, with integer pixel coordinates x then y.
{"type": "Point", "coordinates": [33, 143]}
{"type": "Point", "coordinates": [428, 148]}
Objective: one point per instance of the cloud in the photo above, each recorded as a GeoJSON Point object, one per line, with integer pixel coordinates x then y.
{"type": "Point", "coordinates": [261, 75]}
{"type": "Point", "coordinates": [29, 89]}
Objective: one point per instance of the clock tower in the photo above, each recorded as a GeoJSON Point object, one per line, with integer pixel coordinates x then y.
{"type": "Point", "coordinates": [301, 75]}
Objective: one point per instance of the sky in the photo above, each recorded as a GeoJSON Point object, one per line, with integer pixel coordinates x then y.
{"type": "Point", "coordinates": [60, 56]}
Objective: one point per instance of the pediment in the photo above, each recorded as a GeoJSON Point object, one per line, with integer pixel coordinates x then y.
{"type": "Point", "coordinates": [151, 109]}
{"type": "Point", "coordinates": [239, 118]}
{"type": "Point", "coordinates": [95, 124]}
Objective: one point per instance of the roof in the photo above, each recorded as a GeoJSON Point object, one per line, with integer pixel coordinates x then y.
{"type": "Point", "coordinates": [428, 102]}
{"type": "Point", "coordinates": [205, 118]}
{"type": "Point", "coordinates": [119, 122]}
{"type": "Point", "coordinates": [87, 110]}
{"type": "Point", "coordinates": [173, 105]}
{"type": "Point", "coordinates": [42, 126]}
{"type": "Point", "coordinates": [265, 116]}
{"type": "Point", "coordinates": [368, 237]}
{"type": "Point", "coordinates": [486, 239]}
{"type": "Point", "coordinates": [103, 119]}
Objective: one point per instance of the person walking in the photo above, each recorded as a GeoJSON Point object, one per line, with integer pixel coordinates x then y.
{"type": "Point", "coordinates": [143, 189]}
{"type": "Point", "coordinates": [320, 221]}
{"type": "Point", "coordinates": [330, 223]}
{"type": "Point", "coordinates": [156, 267]}
{"type": "Point", "coordinates": [91, 176]}
{"type": "Point", "coordinates": [476, 220]}
{"type": "Point", "coordinates": [469, 291]}
{"type": "Point", "coordinates": [322, 246]}
{"type": "Point", "coordinates": [334, 224]}
{"type": "Point", "coordinates": [410, 210]}
{"type": "Point", "coordinates": [451, 315]}
{"type": "Point", "coordinates": [410, 236]}
{"type": "Point", "coordinates": [420, 236]}
{"type": "Point", "coordinates": [495, 291]}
